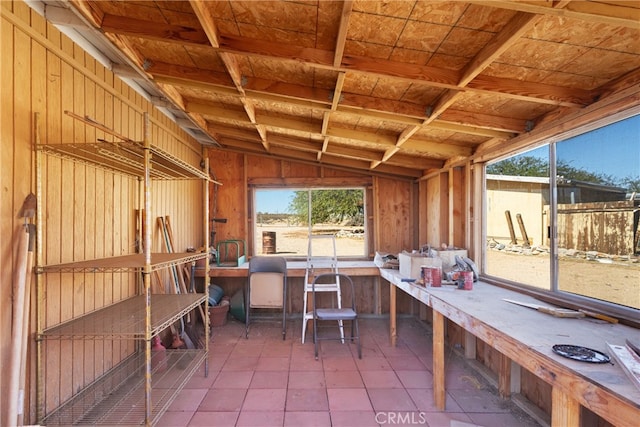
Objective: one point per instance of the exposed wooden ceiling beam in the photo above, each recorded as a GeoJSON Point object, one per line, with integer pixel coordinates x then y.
{"type": "Point", "coordinates": [510, 34]}
{"type": "Point", "coordinates": [352, 152]}
{"type": "Point", "coordinates": [341, 39]}
{"type": "Point", "coordinates": [436, 148]}
{"type": "Point", "coordinates": [203, 12]}
{"type": "Point", "coordinates": [433, 76]}
{"type": "Point", "coordinates": [624, 16]}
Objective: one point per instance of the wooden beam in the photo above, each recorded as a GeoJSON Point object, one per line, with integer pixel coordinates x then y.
{"type": "Point", "coordinates": [202, 10]}
{"type": "Point", "coordinates": [243, 45]}
{"type": "Point", "coordinates": [188, 75]}
{"type": "Point", "coordinates": [359, 135]}
{"type": "Point", "coordinates": [510, 33]}
{"type": "Point", "coordinates": [533, 92]}
{"type": "Point", "coordinates": [352, 152]}
{"type": "Point", "coordinates": [153, 30]}
{"type": "Point", "coordinates": [216, 111]}
{"type": "Point", "coordinates": [436, 148]}
{"type": "Point", "coordinates": [587, 11]}
{"type": "Point", "coordinates": [484, 120]}
{"type": "Point", "coordinates": [341, 38]}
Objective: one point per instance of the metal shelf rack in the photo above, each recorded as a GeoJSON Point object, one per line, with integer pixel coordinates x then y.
{"type": "Point", "coordinates": [124, 394]}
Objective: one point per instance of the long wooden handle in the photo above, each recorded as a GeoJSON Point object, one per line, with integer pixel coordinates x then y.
{"type": "Point", "coordinates": [19, 282]}
{"type": "Point", "coordinates": [599, 316]}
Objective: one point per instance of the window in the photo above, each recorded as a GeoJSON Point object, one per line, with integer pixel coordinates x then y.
{"type": "Point", "coordinates": [284, 219]}
{"type": "Point", "coordinates": [586, 187]}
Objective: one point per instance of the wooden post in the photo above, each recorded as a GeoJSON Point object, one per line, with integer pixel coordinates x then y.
{"type": "Point", "coordinates": [565, 411]}
{"type": "Point", "coordinates": [393, 334]}
{"type": "Point", "coordinates": [439, 392]}
{"type": "Point", "coordinates": [504, 377]}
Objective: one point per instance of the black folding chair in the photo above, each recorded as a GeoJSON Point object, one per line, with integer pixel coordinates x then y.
{"type": "Point", "coordinates": [345, 312]}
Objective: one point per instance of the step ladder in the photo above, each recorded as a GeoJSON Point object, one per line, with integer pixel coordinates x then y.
{"type": "Point", "coordinates": [321, 258]}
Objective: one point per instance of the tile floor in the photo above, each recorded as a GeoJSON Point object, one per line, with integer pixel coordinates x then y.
{"type": "Point", "coordinates": [265, 381]}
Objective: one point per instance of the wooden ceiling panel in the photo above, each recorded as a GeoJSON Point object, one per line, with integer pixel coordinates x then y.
{"type": "Point", "coordinates": [410, 56]}
{"type": "Point", "coordinates": [604, 64]}
{"type": "Point", "coordinates": [423, 94]}
{"type": "Point", "coordinates": [464, 42]}
{"type": "Point", "coordinates": [396, 9]}
{"type": "Point", "coordinates": [571, 31]}
{"type": "Point", "coordinates": [444, 13]}
{"type": "Point", "coordinates": [159, 51]}
{"type": "Point", "coordinates": [484, 18]}
{"type": "Point", "coordinates": [447, 62]}
{"type": "Point", "coordinates": [289, 17]}
{"type": "Point", "coordinates": [329, 13]}
{"type": "Point", "coordinates": [360, 83]}
{"type": "Point", "coordinates": [365, 27]}
{"type": "Point", "coordinates": [393, 87]}
{"type": "Point", "coordinates": [423, 36]}
{"type": "Point", "coordinates": [289, 72]}
{"type": "Point", "coordinates": [537, 54]}
{"type": "Point", "coordinates": [390, 88]}
{"type": "Point", "coordinates": [204, 57]}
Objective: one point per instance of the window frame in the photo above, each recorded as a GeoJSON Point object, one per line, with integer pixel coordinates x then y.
{"type": "Point", "coordinates": [554, 295]}
{"type": "Point", "coordinates": [316, 184]}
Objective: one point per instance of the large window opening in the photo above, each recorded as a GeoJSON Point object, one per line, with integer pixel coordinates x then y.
{"type": "Point", "coordinates": [284, 219]}
{"type": "Point", "coordinates": [564, 217]}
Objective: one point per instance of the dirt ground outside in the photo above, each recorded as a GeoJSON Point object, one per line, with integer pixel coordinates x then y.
{"type": "Point", "coordinates": [616, 281]}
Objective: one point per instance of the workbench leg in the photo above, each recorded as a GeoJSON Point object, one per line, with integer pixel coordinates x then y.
{"type": "Point", "coordinates": [565, 411]}
{"type": "Point", "coordinates": [393, 333]}
{"type": "Point", "coordinates": [504, 377]}
{"type": "Point", "coordinates": [439, 392]}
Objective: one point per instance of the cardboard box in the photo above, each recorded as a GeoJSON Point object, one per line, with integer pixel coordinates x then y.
{"type": "Point", "coordinates": [410, 264]}
{"type": "Point", "coordinates": [448, 257]}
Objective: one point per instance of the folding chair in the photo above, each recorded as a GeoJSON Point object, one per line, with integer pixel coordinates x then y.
{"type": "Point", "coordinates": [345, 312]}
{"type": "Point", "coordinates": [266, 287]}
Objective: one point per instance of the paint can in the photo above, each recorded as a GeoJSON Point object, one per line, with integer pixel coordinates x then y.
{"type": "Point", "coordinates": [426, 275]}
{"type": "Point", "coordinates": [435, 276]}
{"type": "Point", "coordinates": [467, 277]}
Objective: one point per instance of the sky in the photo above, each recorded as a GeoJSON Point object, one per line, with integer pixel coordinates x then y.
{"type": "Point", "coordinates": [600, 151]}
{"type": "Point", "coordinates": [273, 201]}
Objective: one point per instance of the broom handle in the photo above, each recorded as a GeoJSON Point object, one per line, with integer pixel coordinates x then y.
{"type": "Point", "coordinates": [19, 278]}
{"type": "Point", "coordinates": [25, 323]}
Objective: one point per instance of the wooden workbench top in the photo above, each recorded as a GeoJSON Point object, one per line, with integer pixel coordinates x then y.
{"type": "Point", "coordinates": [296, 269]}
{"type": "Point", "coordinates": [527, 336]}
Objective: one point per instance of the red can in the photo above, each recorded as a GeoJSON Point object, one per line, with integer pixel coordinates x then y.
{"type": "Point", "coordinates": [436, 277]}
{"type": "Point", "coordinates": [426, 275]}
{"type": "Point", "coordinates": [468, 279]}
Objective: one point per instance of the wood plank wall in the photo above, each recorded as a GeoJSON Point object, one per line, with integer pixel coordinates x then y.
{"type": "Point", "coordinates": [87, 212]}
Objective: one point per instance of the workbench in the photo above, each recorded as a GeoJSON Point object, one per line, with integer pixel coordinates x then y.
{"type": "Point", "coordinates": [526, 336]}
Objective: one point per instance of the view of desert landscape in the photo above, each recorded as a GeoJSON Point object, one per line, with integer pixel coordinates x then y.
{"type": "Point", "coordinates": [616, 280]}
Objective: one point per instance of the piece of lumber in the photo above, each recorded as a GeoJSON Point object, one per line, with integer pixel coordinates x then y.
{"type": "Point", "coordinates": [628, 361]}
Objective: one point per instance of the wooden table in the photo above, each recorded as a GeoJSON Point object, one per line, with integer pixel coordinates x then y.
{"type": "Point", "coordinates": [526, 336]}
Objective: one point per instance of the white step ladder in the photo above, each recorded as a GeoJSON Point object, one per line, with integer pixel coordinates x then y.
{"type": "Point", "coordinates": [321, 258]}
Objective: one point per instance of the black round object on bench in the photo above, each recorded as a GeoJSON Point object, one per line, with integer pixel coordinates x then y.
{"type": "Point", "coordinates": [582, 354]}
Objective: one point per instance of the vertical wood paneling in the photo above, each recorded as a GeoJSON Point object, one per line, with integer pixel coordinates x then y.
{"type": "Point", "coordinates": [87, 212]}
{"type": "Point", "coordinates": [7, 226]}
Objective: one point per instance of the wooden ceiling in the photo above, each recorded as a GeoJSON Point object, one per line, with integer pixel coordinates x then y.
{"type": "Point", "coordinates": [392, 87]}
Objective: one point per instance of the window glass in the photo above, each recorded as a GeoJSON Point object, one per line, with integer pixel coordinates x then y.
{"type": "Point", "coordinates": [598, 178]}
{"type": "Point", "coordinates": [285, 218]}
{"type": "Point", "coordinates": [517, 217]}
